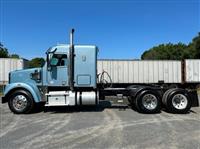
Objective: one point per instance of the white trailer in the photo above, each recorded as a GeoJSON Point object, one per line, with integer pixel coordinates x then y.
{"type": "Point", "coordinates": [192, 70]}
{"type": "Point", "coordinates": [121, 71]}
{"type": "Point", "coordinates": [141, 71]}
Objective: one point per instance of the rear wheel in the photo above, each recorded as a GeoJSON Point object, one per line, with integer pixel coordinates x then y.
{"type": "Point", "coordinates": [129, 100]}
{"type": "Point", "coordinates": [178, 101]}
{"type": "Point", "coordinates": [148, 102]}
{"type": "Point", "coordinates": [20, 102]}
{"type": "Point", "coordinates": [165, 96]}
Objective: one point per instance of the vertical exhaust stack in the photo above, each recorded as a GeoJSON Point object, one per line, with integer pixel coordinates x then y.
{"type": "Point", "coordinates": [72, 38]}
{"type": "Point", "coordinates": [71, 63]}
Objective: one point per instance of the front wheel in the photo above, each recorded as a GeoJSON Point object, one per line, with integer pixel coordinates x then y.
{"type": "Point", "coordinates": [20, 102]}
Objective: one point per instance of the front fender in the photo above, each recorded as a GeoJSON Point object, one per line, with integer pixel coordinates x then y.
{"type": "Point", "coordinates": [29, 87]}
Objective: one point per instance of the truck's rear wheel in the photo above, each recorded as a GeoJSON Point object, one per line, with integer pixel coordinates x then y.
{"type": "Point", "coordinates": [148, 102]}
{"type": "Point", "coordinates": [178, 101]}
{"type": "Point", "coordinates": [129, 100]}
{"type": "Point", "coordinates": [20, 102]}
{"type": "Point", "coordinates": [165, 96]}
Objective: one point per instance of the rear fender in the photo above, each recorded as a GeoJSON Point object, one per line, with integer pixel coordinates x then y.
{"type": "Point", "coordinates": [134, 92]}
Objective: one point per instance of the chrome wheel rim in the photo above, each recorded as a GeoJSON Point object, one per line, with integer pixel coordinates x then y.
{"type": "Point", "coordinates": [179, 101]}
{"type": "Point", "coordinates": [149, 101]}
{"type": "Point", "coordinates": [20, 102]}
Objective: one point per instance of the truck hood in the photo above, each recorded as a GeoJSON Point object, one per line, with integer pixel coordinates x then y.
{"type": "Point", "coordinates": [23, 75]}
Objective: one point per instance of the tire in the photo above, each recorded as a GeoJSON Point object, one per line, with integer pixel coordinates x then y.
{"type": "Point", "coordinates": [21, 102]}
{"type": "Point", "coordinates": [165, 96]}
{"type": "Point", "coordinates": [132, 104]}
{"type": "Point", "coordinates": [129, 100]}
{"type": "Point", "coordinates": [131, 96]}
{"type": "Point", "coordinates": [148, 96]}
{"type": "Point", "coordinates": [178, 101]}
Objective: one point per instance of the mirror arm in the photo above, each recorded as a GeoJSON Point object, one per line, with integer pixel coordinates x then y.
{"type": "Point", "coordinates": [48, 63]}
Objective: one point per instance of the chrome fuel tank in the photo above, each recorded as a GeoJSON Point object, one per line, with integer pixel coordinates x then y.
{"type": "Point", "coordinates": [69, 98]}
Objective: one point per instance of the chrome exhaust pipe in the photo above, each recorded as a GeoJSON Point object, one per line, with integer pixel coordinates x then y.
{"type": "Point", "coordinates": [71, 63]}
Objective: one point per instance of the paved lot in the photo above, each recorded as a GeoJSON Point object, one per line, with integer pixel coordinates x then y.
{"type": "Point", "coordinates": [101, 127]}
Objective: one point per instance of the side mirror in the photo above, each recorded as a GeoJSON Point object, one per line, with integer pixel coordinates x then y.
{"type": "Point", "coordinates": [54, 62]}
{"type": "Point", "coordinates": [51, 62]}
{"type": "Point", "coordinates": [36, 75]}
{"type": "Point", "coordinates": [49, 53]}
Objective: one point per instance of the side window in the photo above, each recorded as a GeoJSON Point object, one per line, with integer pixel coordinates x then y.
{"type": "Point", "coordinates": [61, 58]}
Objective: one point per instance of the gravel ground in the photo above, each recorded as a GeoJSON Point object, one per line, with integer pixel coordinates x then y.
{"type": "Point", "coordinates": [101, 127]}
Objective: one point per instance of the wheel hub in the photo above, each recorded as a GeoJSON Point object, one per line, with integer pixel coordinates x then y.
{"type": "Point", "coordinates": [149, 101]}
{"type": "Point", "coordinates": [179, 101]}
{"type": "Point", "coordinates": [19, 102]}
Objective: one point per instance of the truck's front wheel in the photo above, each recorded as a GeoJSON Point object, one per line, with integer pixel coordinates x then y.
{"type": "Point", "coordinates": [20, 102]}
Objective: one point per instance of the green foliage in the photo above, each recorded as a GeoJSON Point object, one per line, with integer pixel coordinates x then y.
{"type": "Point", "coordinates": [196, 45]}
{"type": "Point", "coordinates": [1, 90]}
{"type": "Point", "coordinates": [14, 56]}
{"type": "Point", "coordinates": [36, 62]}
{"type": "Point", "coordinates": [174, 51]}
{"type": "Point", "coordinates": [3, 51]}
{"type": "Point", "coordinates": [5, 54]}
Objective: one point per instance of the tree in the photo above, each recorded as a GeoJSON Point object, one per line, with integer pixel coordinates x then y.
{"type": "Point", "coordinates": [3, 51]}
{"type": "Point", "coordinates": [196, 44]}
{"type": "Point", "coordinates": [14, 56]}
{"type": "Point", "coordinates": [5, 54]}
{"type": "Point", "coordinates": [165, 52]}
{"type": "Point", "coordinates": [36, 62]}
{"type": "Point", "coordinates": [174, 51]}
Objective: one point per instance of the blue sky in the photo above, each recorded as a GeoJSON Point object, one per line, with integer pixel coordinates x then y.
{"type": "Point", "coordinates": [120, 28]}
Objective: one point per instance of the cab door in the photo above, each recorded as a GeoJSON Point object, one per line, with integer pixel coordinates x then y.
{"type": "Point", "coordinates": [58, 73]}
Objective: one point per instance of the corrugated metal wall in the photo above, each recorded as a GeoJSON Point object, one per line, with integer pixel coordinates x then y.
{"type": "Point", "coordinates": [192, 71]}
{"type": "Point", "coordinates": [137, 71]}
{"type": "Point", "coordinates": [7, 65]}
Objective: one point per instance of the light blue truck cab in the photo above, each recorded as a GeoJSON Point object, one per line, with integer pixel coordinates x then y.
{"type": "Point", "coordinates": [67, 78]}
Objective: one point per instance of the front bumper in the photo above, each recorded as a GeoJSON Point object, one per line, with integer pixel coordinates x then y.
{"type": "Point", "coordinates": [3, 100]}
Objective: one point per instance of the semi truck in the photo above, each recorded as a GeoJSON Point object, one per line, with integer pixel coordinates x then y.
{"type": "Point", "coordinates": [73, 76]}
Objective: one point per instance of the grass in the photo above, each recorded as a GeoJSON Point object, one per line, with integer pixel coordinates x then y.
{"type": "Point", "coordinates": [1, 90]}
{"type": "Point", "coordinates": [198, 90]}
